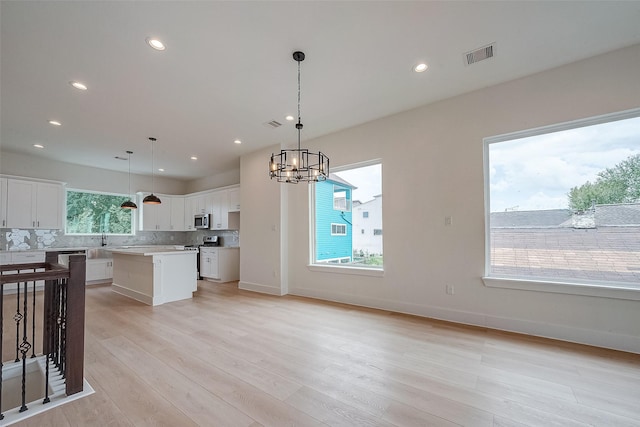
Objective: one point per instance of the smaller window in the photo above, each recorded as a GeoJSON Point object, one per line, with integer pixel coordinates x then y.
{"type": "Point", "coordinates": [365, 214]}
{"type": "Point", "coordinates": [377, 231]}
{"type": "Point", "coordinates": [338, 230]}
{"type": "Point", "coordinates": [341, 199]}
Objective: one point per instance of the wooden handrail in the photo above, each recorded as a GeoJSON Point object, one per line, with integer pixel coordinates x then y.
{"type": "Point", "coordinates": [52, 271]}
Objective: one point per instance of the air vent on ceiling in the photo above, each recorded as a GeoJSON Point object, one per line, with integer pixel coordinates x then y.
{"type": "Point", "coordinates": [479, 54]}
{"type": "Point", "coordinates": [120, 158]}
{"type": "Point", "coordinates": [273, 124]}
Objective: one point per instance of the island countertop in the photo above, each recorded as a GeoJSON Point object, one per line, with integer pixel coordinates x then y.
{"type": "Point", "coordinates": [150, 251]}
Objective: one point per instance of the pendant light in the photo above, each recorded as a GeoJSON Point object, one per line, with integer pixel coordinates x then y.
{"type": "Point", "coordinates": [129, 203]}
{"type": "Point", "coordinates": [296, 165]}
{"type": "Point", "coordinates": [152, 199]}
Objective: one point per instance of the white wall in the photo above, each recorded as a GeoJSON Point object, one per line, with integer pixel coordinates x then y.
{"type": "Point", "coordinates": [261, 263]}
{"type": "Point", "coordinates": [214, 181]}
{"type": "Point", "coordinates": [85, 177]}
{"type": "Point", "coordinates": [433, 167]}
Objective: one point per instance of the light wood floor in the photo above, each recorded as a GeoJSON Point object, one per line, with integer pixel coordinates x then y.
{"type": "Point", "coordinates": [235, 358]}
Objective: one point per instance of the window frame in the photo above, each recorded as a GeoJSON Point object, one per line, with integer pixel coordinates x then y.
{"type": "Point", "coordinates": [80, 190]}
{"type": "Point", "coordinates": [336, 225]}
{"type": "Point", "coordinates": [338, 268]}
{"type": "Point", "coordinates": [347, 204]}
{"type": "Point", "coordinates": [617, 290]}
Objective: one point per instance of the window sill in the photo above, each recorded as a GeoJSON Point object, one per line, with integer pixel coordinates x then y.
{"type": "Point", "coordinates": [604, 290]}
{"type": "Point", "coordinates": [339, 269]}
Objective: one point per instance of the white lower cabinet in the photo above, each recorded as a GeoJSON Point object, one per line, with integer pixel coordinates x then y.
{"type": "Point", "coordinates": [99, 270]}
{"type": "Point", "coordinates": [21, 257]}
{"type": "Point", "coordinates": [220, 264]}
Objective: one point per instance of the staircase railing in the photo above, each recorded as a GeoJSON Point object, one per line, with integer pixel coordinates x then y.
{"type": "Point", "coordinates": [61, 324]}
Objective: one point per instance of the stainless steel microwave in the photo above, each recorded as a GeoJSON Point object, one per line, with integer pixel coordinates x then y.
{"type": "Point", "coordinates": [202, 221]}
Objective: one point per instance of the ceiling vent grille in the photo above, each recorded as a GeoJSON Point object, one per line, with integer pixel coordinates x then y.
{"type": "Point", "coordinates": [273, 124]}
{"type": "Point", "coordinates": [479, 54]}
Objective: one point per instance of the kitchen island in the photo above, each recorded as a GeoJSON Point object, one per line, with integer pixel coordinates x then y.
{"type": "Point", "coordinates": [154, 275]}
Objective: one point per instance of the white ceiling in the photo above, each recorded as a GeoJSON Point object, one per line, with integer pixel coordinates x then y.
{"type": "Point", "coordinates": [227, 69]}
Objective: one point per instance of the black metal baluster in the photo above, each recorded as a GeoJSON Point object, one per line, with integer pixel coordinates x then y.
{"type": "Point", "coordinates": [24, 349]}
{"type": "Point", "coordinates": [56, 336]}
{"type": "Point", "coordinates": [63, 344]}
{"type": "Point", "coordinates": [33, 323]}
{"type": "Point", "coordinates": [17, 317]}
{"type": "Point", "coordinates": [49, 325]}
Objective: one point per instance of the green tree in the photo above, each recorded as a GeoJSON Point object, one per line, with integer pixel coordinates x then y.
{"type": "Point", "coordinates": [95, 213]}
{"type": "Point", "coordinates": [619, 184]}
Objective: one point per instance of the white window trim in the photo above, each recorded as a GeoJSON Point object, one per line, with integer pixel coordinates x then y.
{"type": "Point", "coordinates": [338, 226]}
{"type": "Point", "coordinates": [591, 288]}
{"type": "Point", "coordinates": [337, 269]}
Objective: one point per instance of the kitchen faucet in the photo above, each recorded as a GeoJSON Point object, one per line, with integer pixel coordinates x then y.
{"type": "Point", "coordinates": [104, 239]}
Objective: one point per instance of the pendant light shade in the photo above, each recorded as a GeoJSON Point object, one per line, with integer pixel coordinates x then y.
{"type": "Point", "coordinates": [129, 203]}
{"type": "Point", "coordinates": [296, 165]}
{"type": "Point", "coordinates": [152, 199]}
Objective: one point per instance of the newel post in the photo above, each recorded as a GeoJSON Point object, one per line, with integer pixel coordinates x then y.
{"type": "Point", "coordinates": [74, 368]}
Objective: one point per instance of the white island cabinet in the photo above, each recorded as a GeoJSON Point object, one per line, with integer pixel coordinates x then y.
{"type": "Point", "coordinates": [154, 276]}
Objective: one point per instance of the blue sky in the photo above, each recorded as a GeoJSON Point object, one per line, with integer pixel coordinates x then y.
{"type": "Point", "coordinates": [537, 172]}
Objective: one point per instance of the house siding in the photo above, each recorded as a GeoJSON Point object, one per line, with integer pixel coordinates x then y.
{"type": "Point", "coordinates": [331, 246]}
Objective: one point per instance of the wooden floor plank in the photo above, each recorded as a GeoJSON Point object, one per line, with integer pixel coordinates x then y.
{"type": "Point", "coordinates": [233, 357]}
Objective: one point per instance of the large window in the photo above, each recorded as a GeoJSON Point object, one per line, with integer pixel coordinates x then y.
{"type": "Point", "coordinates": [97, 213]}
{"type": "Point", "coordinates": [564, 203]}
{"type": "Point", "coordinates": [341, 202]}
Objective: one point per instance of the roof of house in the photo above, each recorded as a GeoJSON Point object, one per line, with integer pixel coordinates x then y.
{"type": "Point", "coordinates": [623, 214]}
{"type": "Point", "coordinates": [619, 214]}
{"type": "Point", "coordinates": [335, 178]}
{"type": "Point", "coordinates": [520, 219]}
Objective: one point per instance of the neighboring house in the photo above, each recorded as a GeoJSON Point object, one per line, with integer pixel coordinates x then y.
{"type": "Point", "coordinates": [367, 227]}
{"type": "Point", "coordinates": [599, 244]}
{"type": "Point", "coordinates": [333, 220]}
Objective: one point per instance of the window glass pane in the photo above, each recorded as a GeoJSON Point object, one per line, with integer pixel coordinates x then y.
{"type": "Point", "coordinates": [341, 203]}
{"type": "Point", "coordinates": [97, 213]}
{"type": "Point", "coordinates": [566, 205]}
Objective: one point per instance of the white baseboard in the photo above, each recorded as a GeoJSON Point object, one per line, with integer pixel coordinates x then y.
{"type": "Point", "coordinates": [529, 327]}
{"type": "Point", "coordinates": [132, 294]}
{"type": "Point", "coordinates": [257, 287]}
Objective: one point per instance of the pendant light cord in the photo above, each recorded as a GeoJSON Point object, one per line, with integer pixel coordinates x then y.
{"type": "Point", "coordinates": [129, 152]}
{"type": "Point", "coordinates": [299, 119]}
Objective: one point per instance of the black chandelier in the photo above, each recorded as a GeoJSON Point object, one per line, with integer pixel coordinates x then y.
{"type": "Point", "coordinates": [296, 165]}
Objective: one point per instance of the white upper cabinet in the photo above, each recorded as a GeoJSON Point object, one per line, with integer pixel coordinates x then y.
{"type": "Point", "coordinates": [233, 199]}
{"type": "Point", "coordinates": [189, 213]}
{"type": "Point", "coordinates": [3, 202]}
{"type": "Point", "coordinates": [167, 216]}
{"type": "Point", "coordinates": [33, 204]}
{"type": "Point", "coordinates": [219, 210]}
{"type": "Point", "coordinates": [177, 214]}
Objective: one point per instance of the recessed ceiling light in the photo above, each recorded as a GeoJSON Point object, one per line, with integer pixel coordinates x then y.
{"type": "Point", "coordinates": [194, 158]}
{"type": "Point", "coordinates": [289, 118]}
{"type": "Point", "coordinates": [237, 141]}
{"type": "Point", "coordinates": [420, 68]}
{"type": "Point", "coordinates": [160, 170]}
{"type": "Point", "coordinates": [38, 145]}
{"type": "Point", "coordinates": [78, 85]}
{"type": "Point", "coordinates": [55, 123]}
{"type": "Point", "coordinates": [155, 43]}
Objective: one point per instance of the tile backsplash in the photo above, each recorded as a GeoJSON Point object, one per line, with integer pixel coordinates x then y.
{"type": "Point", "coordinates": [25, 239]}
